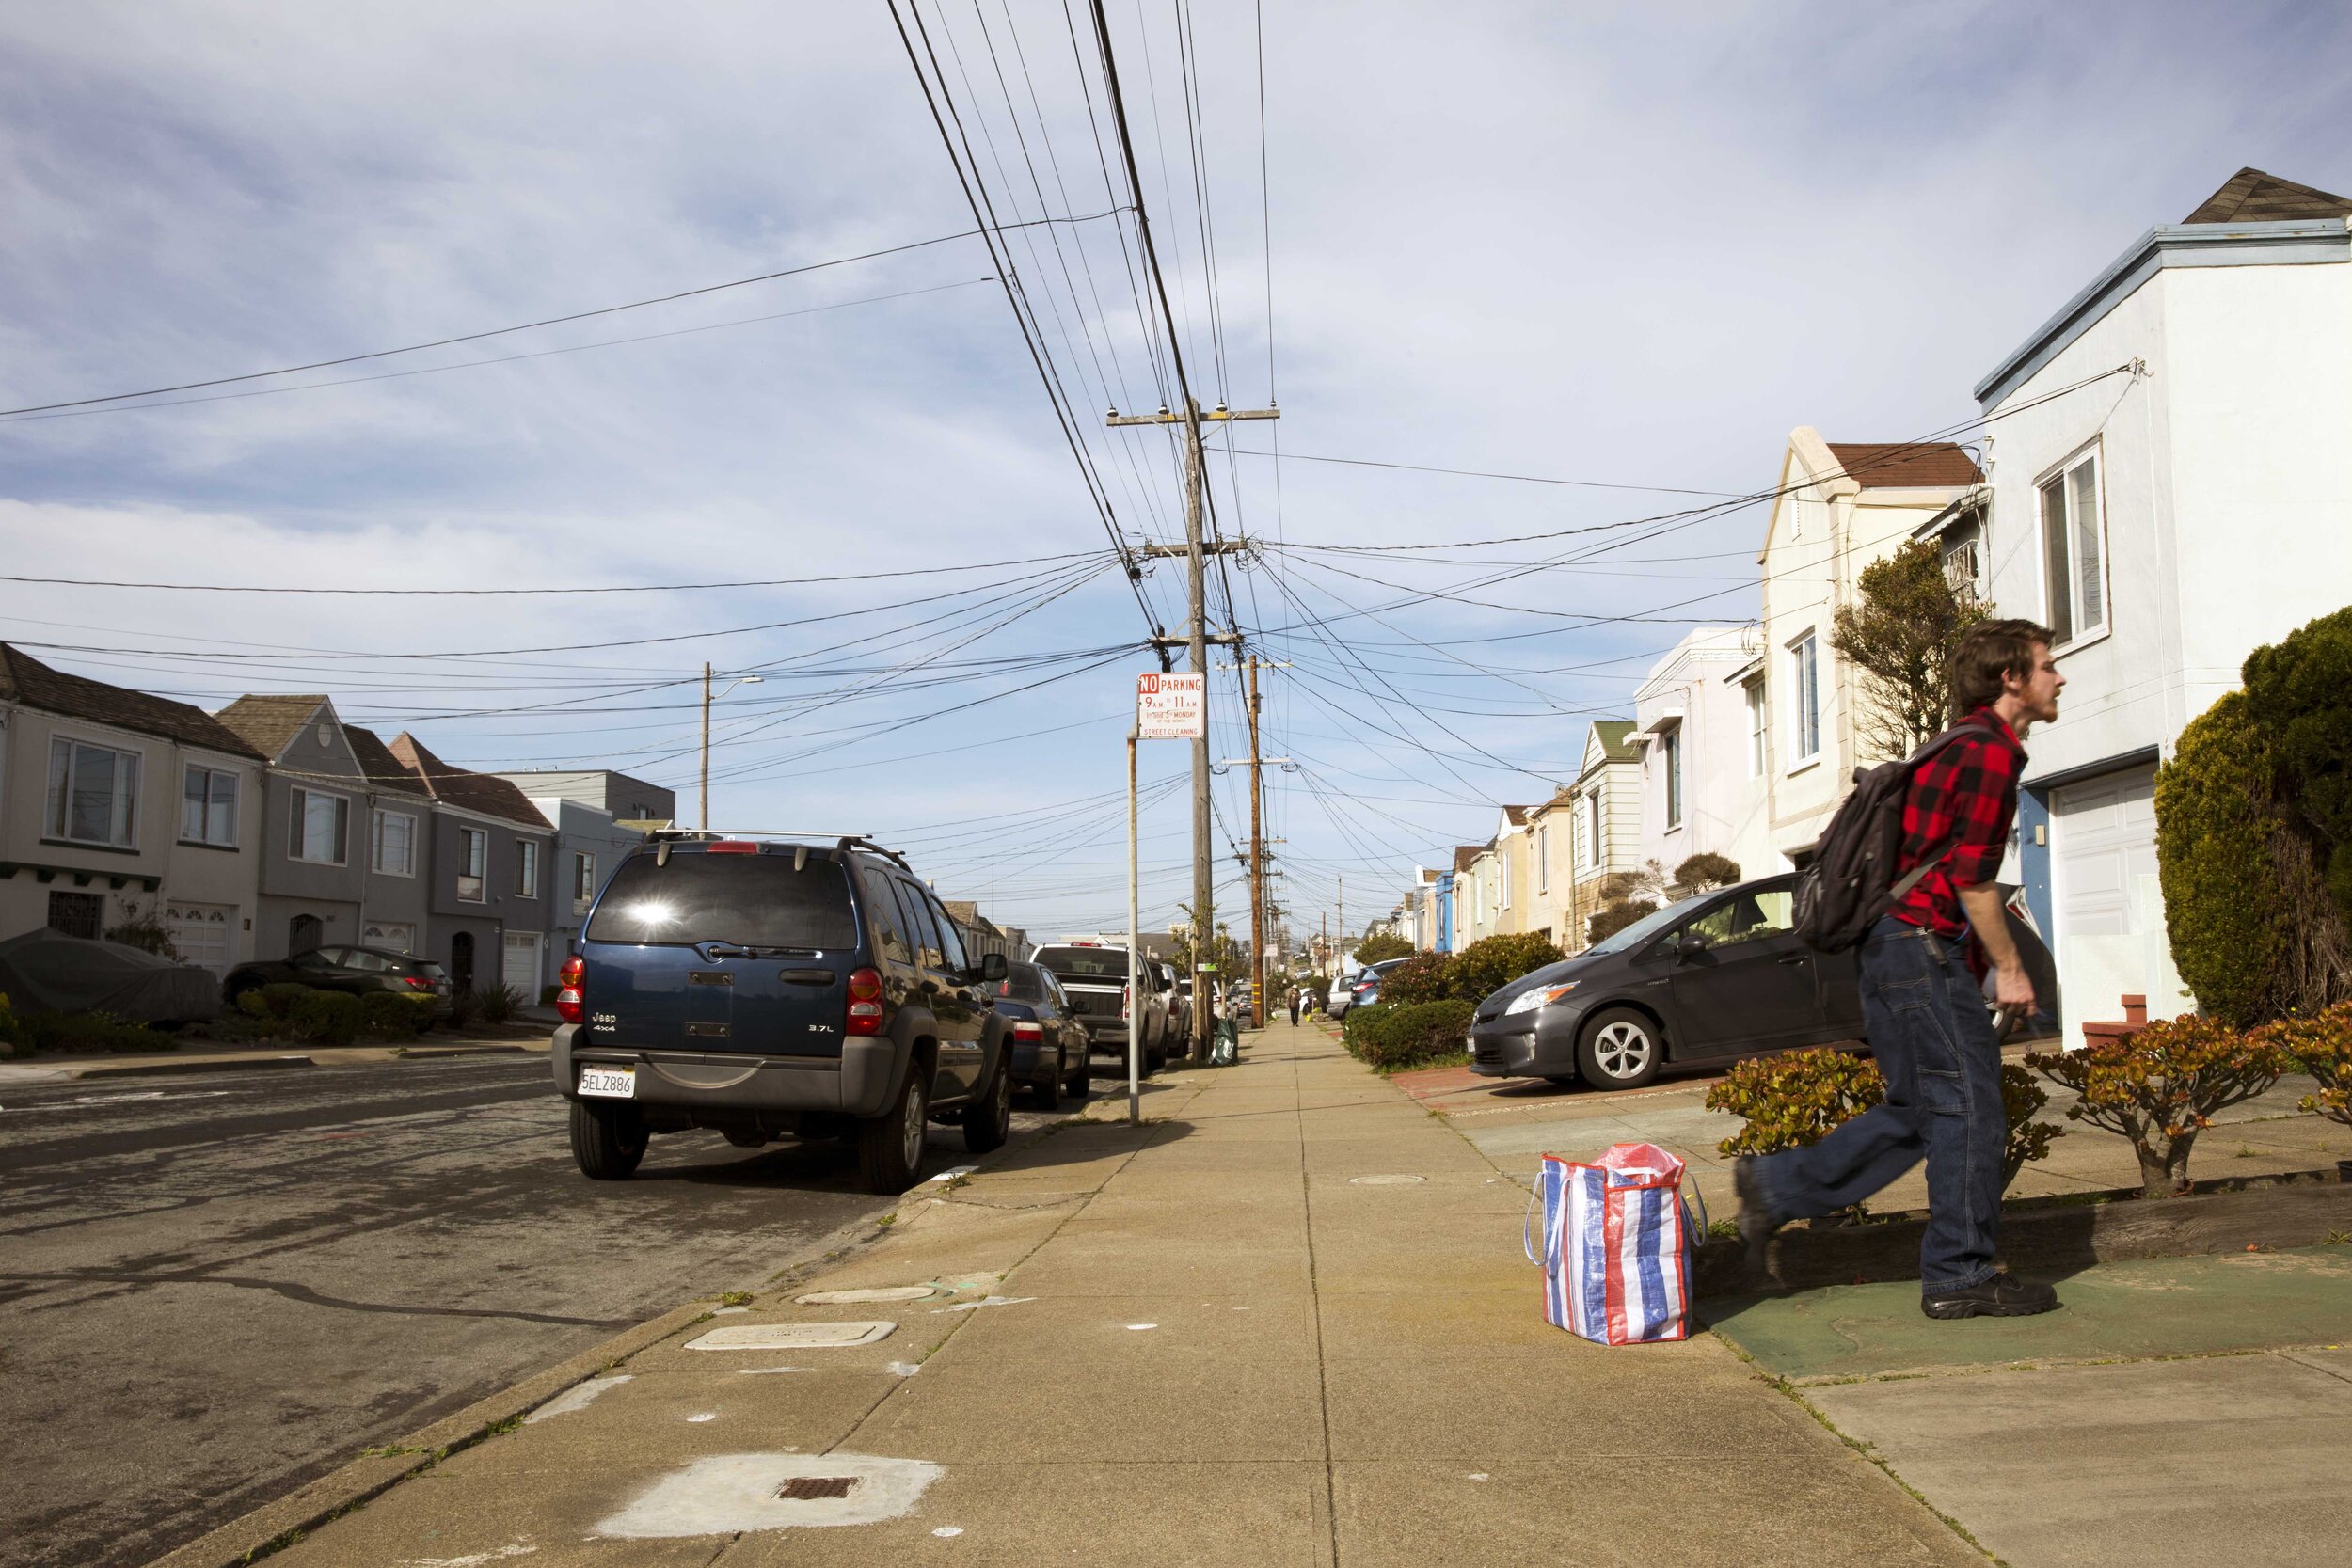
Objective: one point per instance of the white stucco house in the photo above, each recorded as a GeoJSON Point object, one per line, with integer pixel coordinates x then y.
{"type": "Point", "coordinates": [2170, 486]}
{"type": "Point", "coordinates": [1703, 788]}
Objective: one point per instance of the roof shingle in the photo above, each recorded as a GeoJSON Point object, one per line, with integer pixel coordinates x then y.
{"type": "Point", "coordinates": [2249, 196]}
{"type": "Point", "coordinates": [485, 793]}
{"type": "Point", "coordinates": [378, 766]}
{"type": "Point", "coordinates": [270, 723]}
{"type": "Point", "coordinates": [27, 680]}
{"type": "Point", "coordinates": [1906, 465]}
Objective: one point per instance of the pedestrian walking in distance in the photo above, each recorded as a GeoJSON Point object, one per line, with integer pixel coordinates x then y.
{"type": "Point", "coordinates": [1294, 1006]}
{"type": "Point", "coordinates": [1922, 1003]}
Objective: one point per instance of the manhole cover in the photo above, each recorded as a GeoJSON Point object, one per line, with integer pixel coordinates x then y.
{"type": "Point", "coordinates": [1385, 1181]}
{"type": "Point", "coordinates": [792, 1336]}
{"type": "Point", "coordinates": [800, 1489]}
{"type": "Point", "coordinates": [886, 1292]}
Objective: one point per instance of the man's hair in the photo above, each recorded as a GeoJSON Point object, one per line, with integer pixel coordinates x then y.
{"type": "Point", "coordinates": [1988, 651]}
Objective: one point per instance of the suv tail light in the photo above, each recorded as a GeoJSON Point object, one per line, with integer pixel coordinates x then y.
{"type": "Point", "coordinates": [1031, 1033]}
{"type": "Point", "coordinates": [865, 1008]}
{"type": "Point", "coordinates": [568, 1003]}
{"type": "Point", "coordinates": [1126, 999]}
{"type": "Point", "coordinates": [416, 982]}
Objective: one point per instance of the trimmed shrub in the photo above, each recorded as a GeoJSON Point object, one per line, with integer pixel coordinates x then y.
{"type": "Point", "coordinates": [1487, 965]}
{"type": "Point", "coordinates": [79, 1034]}
{"type": "Point", "coordinates": [1796, 1097]}
{"type": "Point", "coordinates": [279, 998]}
{"type": "Point", "coordinates": [2160, 1087]}
{"type": "Point", "coordinates": [1704, 872]}
{"type": "Point", "coordinates": [1418, 1035]}
{"type": "Point", "coordinates": [2321, 1045]}
{"type": "Point", "coordinates": [1357, 1021]}
{"type": "Point", "coordinates": [1610, 919]}
{"type": "Point", "coordinates": [1426, 978]}
{"type": "Point", "coordinates": [252, 1004]}
{"type": "Point", "coordinates": [324, 1017]}
{"type": "Point", "coordinates": [13, 1035]}
{"type": "Point", "coordinates": [387, 1015]}
{"type": "Point", "coordinates": [1381, 947]}
{"type": "Point", "coordinates": [2298, 690]}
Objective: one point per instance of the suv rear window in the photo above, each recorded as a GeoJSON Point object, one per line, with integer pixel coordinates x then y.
{"type": "Point", "coordinates": [1085, 963]}
{"type": "Point", "coordinates": [750, 900]}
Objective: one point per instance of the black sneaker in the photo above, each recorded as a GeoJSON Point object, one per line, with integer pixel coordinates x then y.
{"type": "Point", "coordinates": [2003, 1295]}
{"type": "Point", "coordinates": [1757, 1224]}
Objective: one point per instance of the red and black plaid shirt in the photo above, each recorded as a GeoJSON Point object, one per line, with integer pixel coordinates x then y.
{"type": "Point", "coordinates": [1966, 792]}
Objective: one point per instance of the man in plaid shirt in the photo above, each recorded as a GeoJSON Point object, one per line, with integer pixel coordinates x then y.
{"type": "Point", "coordinates": [1922, 1002]}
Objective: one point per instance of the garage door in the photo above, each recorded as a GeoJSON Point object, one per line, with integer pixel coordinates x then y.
{"type": "Point", "coordinates": [2106, 842]}
{"type": "Point", "coordinates": [522, 963]}
{"type": "Point", "coordinates": [391, 936]}
{"type": "Point", "coordinates": [204, 933]}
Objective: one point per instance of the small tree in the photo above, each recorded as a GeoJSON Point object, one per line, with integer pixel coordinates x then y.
{"type": "Point", "coordinates": [1626, 896]}
{"type": "Point", "coordinates": [2299, 692]}
{"type": "Point", "coordinates": [2161, 1086]}
{"type": "Point", "coordinates": [1610, 919]}
{"type": "Point", "coordinates": [1382, 946]}
{"type": "Point", "coordinates": [2321, 1046]}
{"type": "Point", "coordinates": [1900, 635]}
{"type": "Point", "coordinates": [143, 928]}
{"type": "Point", "coordinates": [1703, 873]}
{"type": "Point", "coordinates": [1491, 963]}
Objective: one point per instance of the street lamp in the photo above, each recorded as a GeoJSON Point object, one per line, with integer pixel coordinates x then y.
{"type": "Point", "coordinates": [740, 680]}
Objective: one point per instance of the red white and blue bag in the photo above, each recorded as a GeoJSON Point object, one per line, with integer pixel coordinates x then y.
{"type": "Point", "coordinates": [1617, 1245]}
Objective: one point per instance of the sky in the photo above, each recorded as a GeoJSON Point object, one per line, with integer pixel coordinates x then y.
{"type": "Point", "coordinates": [1627, 245]}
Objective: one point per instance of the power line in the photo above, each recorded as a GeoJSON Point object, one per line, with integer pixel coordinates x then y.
{"type": "Point", "coordinates": [984, 231]}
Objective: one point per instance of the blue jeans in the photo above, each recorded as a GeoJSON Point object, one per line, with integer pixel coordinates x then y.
{"type": "Point", "coordinates": [1924, 1016]}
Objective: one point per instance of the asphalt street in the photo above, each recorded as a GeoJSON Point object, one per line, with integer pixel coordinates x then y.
{"type": "Point", "coordinates": [215, 1286]}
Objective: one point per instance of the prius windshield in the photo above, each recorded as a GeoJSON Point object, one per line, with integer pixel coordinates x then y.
{"type": "Point", "coordinates": [1649, 926]}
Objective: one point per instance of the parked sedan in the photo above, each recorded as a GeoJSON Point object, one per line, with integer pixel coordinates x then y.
{"type": "Point", "coordinates": [1048, 1039]}
{"type": "Point", "coordinates": [1716, 976]}
{"type": "Point", "coordinates": [1365, 990]}
{"type": "Point", "coordinates": [355, 970]}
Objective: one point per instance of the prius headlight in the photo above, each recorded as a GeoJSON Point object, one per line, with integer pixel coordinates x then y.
{"type": "Point", "coordinates": [1542, 996]}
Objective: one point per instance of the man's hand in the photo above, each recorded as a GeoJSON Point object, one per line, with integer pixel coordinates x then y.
{"type": "Point", "coordinates": [2012, 988]}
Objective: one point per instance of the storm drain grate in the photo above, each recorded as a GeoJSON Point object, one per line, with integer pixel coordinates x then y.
{"type": "Point", "coordinates": [801, 1489]}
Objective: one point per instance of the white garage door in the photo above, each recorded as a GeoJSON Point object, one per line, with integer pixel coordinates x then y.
{"type": "Point", "coordinates": [391, 936]}
{"type": "Point", "coordinates": [204, 933]}
{"type": "Point", "coordinates": [2106, 842]}
{"type": "Point", "coordinates": [522, 963]}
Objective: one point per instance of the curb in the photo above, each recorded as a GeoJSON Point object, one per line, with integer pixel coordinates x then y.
{"type": "Point", "coordinates": [277, 1524]}
{"type": "Point", "coordinates": [213, 1064]}
{"type": "Point", "coordinates": [434, 1053]}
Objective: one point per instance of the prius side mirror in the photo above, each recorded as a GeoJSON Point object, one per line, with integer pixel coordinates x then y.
{"type": "Point", "coordinates": [1690, 944]}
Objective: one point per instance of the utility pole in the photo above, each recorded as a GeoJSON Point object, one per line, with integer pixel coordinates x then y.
{"type": "Point", "coordinates": [1257, 863]}
{"type": "Point", "coordinates": [702, 819]}
{"type": "Point", "coordinates": [1197, 640]}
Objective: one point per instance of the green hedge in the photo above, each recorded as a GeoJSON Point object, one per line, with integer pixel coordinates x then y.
{"type": "Point", "coordinates": [1425, 978]}
{"type": "Point", "coordinates": [1398, 1037]}
{"type": "Point", "coordinates": [314, 1016]}
{"type": "Point", "coordinates": [2298, 692]}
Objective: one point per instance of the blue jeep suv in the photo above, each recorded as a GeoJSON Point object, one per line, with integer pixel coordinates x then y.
{"type": "Point", "coordinates": [762, 989]}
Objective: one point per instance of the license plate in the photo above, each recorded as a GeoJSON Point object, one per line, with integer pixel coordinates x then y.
{"type": "Point", "coordinates": [610, 1083]}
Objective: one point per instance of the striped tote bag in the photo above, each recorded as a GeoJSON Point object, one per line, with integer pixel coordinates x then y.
{"type": "Point", "coordinates": [1616, 1245]}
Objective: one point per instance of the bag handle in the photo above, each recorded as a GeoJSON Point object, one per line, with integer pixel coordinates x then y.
{"type": "Point", "coordinates": [1526, 1242]}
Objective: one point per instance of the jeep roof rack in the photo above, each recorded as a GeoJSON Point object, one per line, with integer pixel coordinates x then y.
{"type": "Point", "coordinates": [841, 841]}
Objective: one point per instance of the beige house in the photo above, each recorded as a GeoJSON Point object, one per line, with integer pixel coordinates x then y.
{"type": "Point", "coordinates": [114, 803]}
{"type": "Point", "coordinates": [1603, 808]}
{"type": "Point", "coordinates": [1842, 506]}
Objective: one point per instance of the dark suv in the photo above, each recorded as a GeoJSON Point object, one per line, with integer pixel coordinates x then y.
{"type": "Point", "coordinates": [763, 989]}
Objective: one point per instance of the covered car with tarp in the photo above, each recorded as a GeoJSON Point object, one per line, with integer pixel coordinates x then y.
{"type": "Point", "coordinates": [49, 971]}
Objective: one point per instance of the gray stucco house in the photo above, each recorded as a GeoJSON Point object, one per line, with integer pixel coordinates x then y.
{"type": "Point", "coordinates": [490, 879]}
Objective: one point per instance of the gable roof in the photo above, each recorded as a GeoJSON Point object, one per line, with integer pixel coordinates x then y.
{"type": "Point", "coordinates": [271, 723]}
{"type": "Point", "coordinates": [1465, 855]}
{"type": "Point", "coordinates": [455, 786]}
{"type": "Point", "coordinates": [966, 911]}
{"type": "Point", "coordinates": [26, 679]}
{"type": "Point", "coordinates": [1614, 735]}
{"type": "Point", "coordinates": [1905, 464]}
{"type": "Point", "coordinates": [1516, 815]}
{"type": "Point", "coordinates": [2249, 196]}
{"type": "Point", "coordinates": [376, 763]}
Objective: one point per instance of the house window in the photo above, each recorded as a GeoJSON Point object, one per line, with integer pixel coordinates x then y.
{"type": "Point", "coordinates": [1543, 857]}
{"type": "Point", "coordinates": [526, 868]}
{"type": "Point", "coordinates": [207, 807]}
{"type": "Point", "coordinates": [1503, 875]}
{"type": "Point", "coordinates": [1670, 746]}
{"type": "Point", "coordinates": [394, 851]}
{"type": "Point", "coordinates": [77, 914]}
{"type": "Point", "coordinates": [474, 859]}
{"type": "Point", "coordinates": [1592, 828]}
{"type": "Point", "coordinates": [2074, 550]}
{"type": "Point", "coordinates": [318, 828]}
{"type": "Point", "coordinates": [1805, 684]}
{"type": "Point", "coordinates": [1964, 560]}
{"type": "Point", "coordinates": [1754, 692]}
{"type": "Point", "coordinates": [93, 795]}
{"type": "Point", "coordinates": [583, 879]}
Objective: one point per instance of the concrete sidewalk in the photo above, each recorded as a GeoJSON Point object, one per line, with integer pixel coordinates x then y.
{"type": "Point", "coordinates": [1285, 1321]}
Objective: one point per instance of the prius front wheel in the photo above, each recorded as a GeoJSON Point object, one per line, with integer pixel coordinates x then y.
{"type": "Point", "coordinates": [1621, 1050]}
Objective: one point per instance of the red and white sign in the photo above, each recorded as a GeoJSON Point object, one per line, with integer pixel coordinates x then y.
{"type": "Point", "coordinates": [1171, 707]}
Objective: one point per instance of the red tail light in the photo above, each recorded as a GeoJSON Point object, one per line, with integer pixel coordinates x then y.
{"type": "Point", "coordinates": [731, 846]}
{"type": "Point", "coordinates": [866, 1007]}
{"type": "Point", "coordinates": [567, 1003]}
{"type": "Point", "coordinates": [418, 982]}
{"type": "Point", "coordinates": [1126, 999]}
{"type": "Point", "coordinates": [1031, 1033]}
